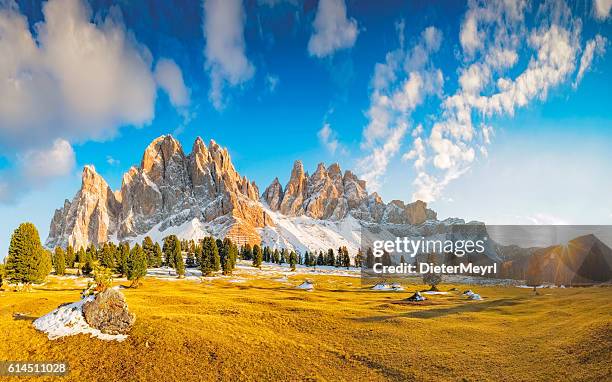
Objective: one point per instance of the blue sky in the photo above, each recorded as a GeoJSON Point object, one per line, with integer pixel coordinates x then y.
{"type": "Point", "coordinates": [371, 85]}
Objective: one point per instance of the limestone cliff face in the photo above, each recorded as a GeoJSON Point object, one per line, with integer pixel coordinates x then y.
{"type": "Point", "coordinates": [171, 188]}
{"type": "Point", "coordinates": [330, 195]}
{"type": "Point", "coordinates": [167, 189]}
{"type": "Point", "coordinates": [90, 217]}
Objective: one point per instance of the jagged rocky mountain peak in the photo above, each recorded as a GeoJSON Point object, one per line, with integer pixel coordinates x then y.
{"type": "Point", "coordinates": [203, 192]}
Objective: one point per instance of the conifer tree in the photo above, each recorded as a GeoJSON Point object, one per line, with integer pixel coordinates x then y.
{"type": "Point", "coordinates": [292, 260]}
{"type": "Point", "coordinates": [122, 260]}
{"type": "Point", "coordinates": [276, 256]}
{"type": "Point", "coordinates": [158, 255]}
{"type": "Point", "coordinates": [59, 261]}
{"type": "Point", "coordinates": [369, 258]}
{"type": "Point", "coordinates": [209, 254]}
{"type": "Point", "coordinates": [172, 246]}
{"type": "Point", "coordinates": [307, 258]}
{"type": "Point", "coordinates": [233, 254]}
{"type": "Point", "coordinates": [283, 256]}
{"type": "Point", "coordinates": [247, 252]}
{"type": "Point", "coordinates": [80, 256]}
{"type": "Point", "coordinates": [136, 265]}
{"type": "Point", "coordinates": [331, 259]}
{"type": "Point", "coordinates": [88, 262]}
{"type": "Point", "coordinates": [179, 264]}
{"type": "Point", "coordinates": [320, 259]}
{"type": "Point", "coordinates": [107, 256]}
{"type": "Point", "coordinates": [225, 253]}
{"type": "Point", "coordinates": [359, 258]}
{"type": "Point", "coordinates": [27, 261]}
{"type": "Point", "coordinates": [149, 250]}
{"type": "Point", "coordinates": [70, 257]}
{"type": "Point", "coordinates": [346, 258]}
{"type": "Point", "coordinates": [257, 256]}
{"type": "Point", "coordinates": [91, 253]}
{"type": "Point", "coordinates": [190, 261]}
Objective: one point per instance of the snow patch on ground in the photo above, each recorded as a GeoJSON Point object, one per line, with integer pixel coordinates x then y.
{"type": "Point", "coordinates": [306, 285]}
{"type": "Point", "coordinates": [434, 292]}
{"type": "Point", "coordinates": [302, 233]}
{"type": "Point", "coordinates": [386, 287]}
{"type": "Point", "coordinates": [68, 320]}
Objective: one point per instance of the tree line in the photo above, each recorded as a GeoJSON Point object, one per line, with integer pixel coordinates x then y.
{"type": "Point", "coordinates": [29, 262]}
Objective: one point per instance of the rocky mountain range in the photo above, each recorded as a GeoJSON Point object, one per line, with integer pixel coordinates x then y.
{"type": "Point", "coordinates": [201, 193]}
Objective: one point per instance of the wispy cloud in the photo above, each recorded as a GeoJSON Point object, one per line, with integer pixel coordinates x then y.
{"type": "Point", "coordinates": [492, 36]}
{"type": "Point", "coordinates": [226, 60]}
{"type": "Point", "coordinates": [332, 29]}
{"type": "Point", "coordinates": [399, 86]}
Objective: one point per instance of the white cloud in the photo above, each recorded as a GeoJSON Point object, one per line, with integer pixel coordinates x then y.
{"type": "Point", "coordinates": [601, 8]}
{"type": "Point", "coordinates": [374, 166]}
{"type": "Point", "coordinates": [73, 76]}
{"type": "Point", "coordinates": [58, 160]}
{"type": "Point", "coordinates": [595, 46]}
{"type": "Point", "coordinates": [332, 29]}
{"type": "Point", "coordinates": [112, 161]}
{"type": "Point", "coordinates": [271, 82]}
{"type": "Point", "coordinates": [169, 77]}
{"type": "Point", "coordinates": [35, 168]}
{"type": "Point", "coordinates": [485, 88]}
{"type": "Point", "coordinates": [327, 137]}
{"type": "Point", "coordinates": [82, 78]}
{"type": "Point", "coordinates": [399, 85]}
{"type": "Point", "coordinates": [226, 59]}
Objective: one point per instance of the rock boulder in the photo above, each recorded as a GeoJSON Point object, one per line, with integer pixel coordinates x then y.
{"type": "Point", "coordinates": [109, 313]}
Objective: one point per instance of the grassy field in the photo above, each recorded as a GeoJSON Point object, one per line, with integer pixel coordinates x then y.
{"type": "Point", "coordinates": [264, 329]}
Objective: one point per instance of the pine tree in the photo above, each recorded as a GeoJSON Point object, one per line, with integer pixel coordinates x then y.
{"type": "Point", "coordinates": [136, 265]}
{"type": "Point", "coordinates": [59, 261]}
{"type": "Point", "coordinates": [179, 264]}
{"type": "Point", "coordinates": [430, 278]}
{"type": "Point", "coordinates": [190, 262]}
{"type": "Point", "coordinates": [79, 259]}
{"type": "Point", "coordinates": [247, 252]}
{"type": "Point", "coordinates": [91, 253]}
{"type": "Point", "coordinates": [233, 254]}
{"type": "Point", "coordinates": [359, 258]}
{"type": "Point", "coordinates": [276, 256]}
{"type": "Point", "coordinates": [320, 259]}
{"type": "Point", "coordinates": [292, 260]}
{"type": "Point", "coordinates": [70, 257]}
{"type": "Point", "coordinates": [88, 262]}
{"type": "Point", "coordinates": [172, 246]}
{"type": "Point", "coordinates": [346, 258]}
{"type": "Point", "coordinates": [370, 258]}
{"type": "Point", "coordinates": [283, 256]}
{"type": "Point", "coordinates": [257, 256]}
{"type": "Point", "coordinates": [225, 253]}
{"type": "Point", "coordinates": [209, 253]}
{"type": "Point", "coordinates": [158, 255]}
{"type": "Point", "coordinates": [149, 250]}
{"type": "Point", "coordinates": [331, 259]}
{"type": "Point", "coordinates": [27, 260]}
{"type": "Point", "coordinates": [307, 259]}
{"type": "Point", "coordinates": [122, 260]}
{"type": "Point", "coordinates": [107, 256]}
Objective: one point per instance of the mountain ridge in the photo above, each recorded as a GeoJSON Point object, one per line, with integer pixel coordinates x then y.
{"type": "Point", "coordinates": [170, 188]}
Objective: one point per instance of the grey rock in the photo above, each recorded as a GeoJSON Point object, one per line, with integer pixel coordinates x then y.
{"type": "Point", "coordinates": [109, 313]}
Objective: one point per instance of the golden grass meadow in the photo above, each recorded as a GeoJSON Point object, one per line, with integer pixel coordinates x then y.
{"type": "Point", "coordinates": [262, 328]}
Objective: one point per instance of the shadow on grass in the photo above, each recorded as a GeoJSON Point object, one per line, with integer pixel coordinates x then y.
{"type": "Point", "coordinates": [23, 317]}
{"type": "Point", "coordinates": [465, 307]}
